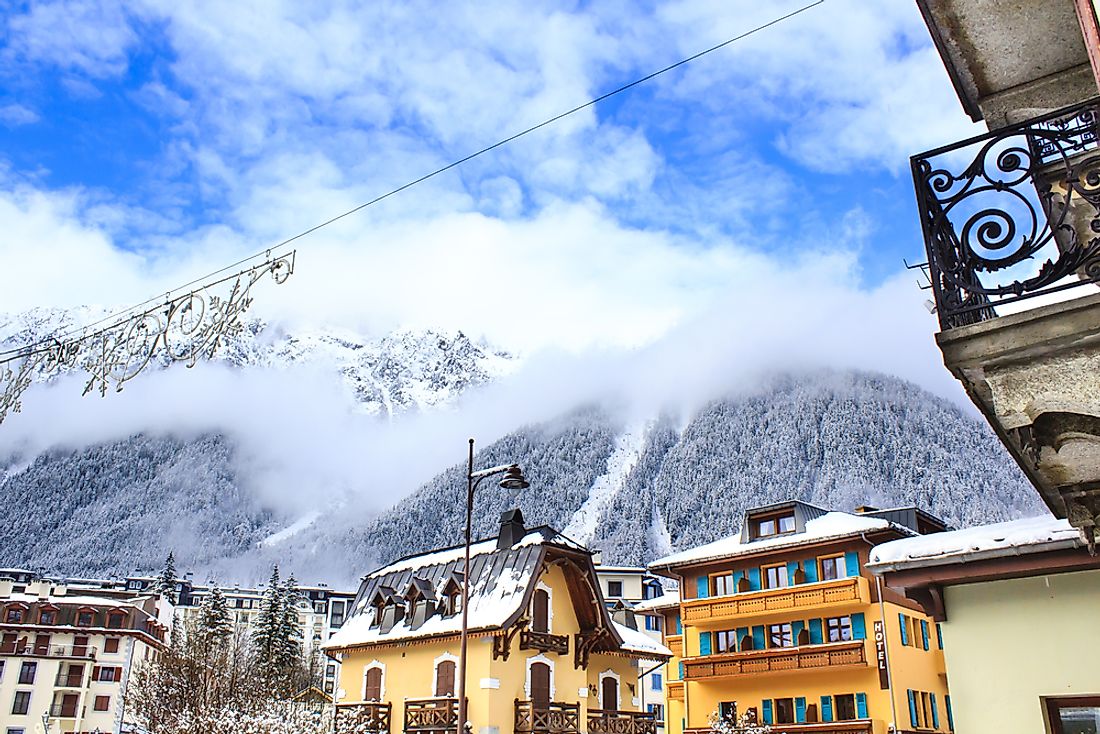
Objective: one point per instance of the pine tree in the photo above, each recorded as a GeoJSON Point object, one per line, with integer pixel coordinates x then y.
{"type": "Point", "coordinates": [216, 623]}
{"type": "Point", "coordinates": [289, 640]}
{"type": "Point", "coordinates": [166, 582]}
{"type": "Point", "coordinates": [265, 634]}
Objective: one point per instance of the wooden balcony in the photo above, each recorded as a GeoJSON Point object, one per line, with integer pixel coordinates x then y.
{"type": "Point", "coordinates": [815, 596]}
{"type": "Point", "coordinates": [553, 718]}
{"type": "Point", "coordinates": [676, 644]}
{"type": "Point", "coordinates": [543, 642]}
{"type": "Point", "coordinates": [621, 722]}
{"type": "Point", "coordinates": [674, 690]}
{"type": "Point", "coordinates": [777, 660]}
{"type": "Point", "coordinates": [355, 718]}
{"type": "Point", "coordinates": [858, 726]}
{"type": "Point", "coordinates": [431, 715]}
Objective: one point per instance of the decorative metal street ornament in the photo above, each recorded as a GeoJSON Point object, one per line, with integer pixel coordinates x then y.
{"type": "Point", "coordinates": [184, 328]}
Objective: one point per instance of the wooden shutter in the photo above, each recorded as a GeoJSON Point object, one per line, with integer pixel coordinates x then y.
{"type": "Point", "coordinates": [540, 611]}
{"type": "Point", "coordinates": [704, 643]}
{"type": "Point", "coordinates": [859, 626]}
{"type": "Point", "coordinates": [540, 684]}
{"type": "Point", "coordinates": [924, 632]}
{"type": "Point", "coordinates": [702, 587]}
{"type": "Point", "coordinates": [816, 637]}
{"type": "Point", "coordinates": [758, 638]}
{"type": "Point", "coordinates": [851, 564]}
{"type": "Point", "coordinates": [754, 579]}
{"type": "Point", "coordinates": [373, 686]}
{"type": "Point", "coordinates": [861, 705]}
{"type": "Point", "coordinates": [800, 711]}
{"type": "Point", "coordinates": [904, 629]}
{"type": "Point", "coordinates": [935, 711]}
{"type": "Point", "coordinates": [445, 678]}
{"type": "Point", "coordinates": [826, 708]}
{"type": "Point", "coordinates": [809, 567]}
{"type": "Point", "coordinates": [913, 721]}
{"type": "Point", "coordinates": [609, 690]}
{"type": "Point", "coordinates": [766, 705]}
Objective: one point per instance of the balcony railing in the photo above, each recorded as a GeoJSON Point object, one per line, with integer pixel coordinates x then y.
{"type": "Point", "coordinates": [552, 718]}
{"type": "Point", "coordinates": [356, 718]}
{"type": "Point", "coordinates": [857, 726]}
{"type": "Point", "coordinates": [621, 722]}
{"type": "Point", "coordinates": [65, 679]}
{"type": "Point", "coordinates": [63, 710]}
{"type": "Point", "coordinates": [53, 651]}
{"type": "Point", "coordinates": [1011, 214]}
{"type": "Point", "coordinates": [543, 641]}
{"type": "Point", "coordinates": [675, 643]}
{"type": "Point", "coordinates": [755, 603]}
{"type": "Point", "coordinates": [431, 715]}
{"type": "Point", "coordinates": [809, 657]}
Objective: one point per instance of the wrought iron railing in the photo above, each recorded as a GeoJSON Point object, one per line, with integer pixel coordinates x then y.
{"type": "Point", "coordinates": [63, 710]}
{"type": "Point", "coordinates": [621, 722]}
{"type": "Point", "coordinates": [543, 641]}
{"type": "Point", "coordinates": [371, 717]}
{"type": "Point", "coordinates": [1011, 214]}
{"type": "Point", "coordinates": [551, 718]}
{"type": "Point", "coordinates": [67, 679]}
{"type": "Point", "coordinates": [431, 715]}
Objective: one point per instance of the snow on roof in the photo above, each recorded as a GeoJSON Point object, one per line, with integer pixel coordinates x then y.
{"type": "Point", "coordinates": [826, 527]}
{"type": "Point", "coordinates": [1029, 535]}
{"type": "Point", "coordinates": [666, 601]}
{"type": "Point", "coordinates": [90, 601]}
{"type": "Point", "coordinates": [639, 642]}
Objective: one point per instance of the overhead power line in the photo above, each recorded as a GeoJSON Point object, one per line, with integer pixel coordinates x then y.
{"type": "Point", "coordinates": [266, 252]}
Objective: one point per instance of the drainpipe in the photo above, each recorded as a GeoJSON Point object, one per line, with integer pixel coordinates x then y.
{"type": "Point", "coordinates": [885, 646]}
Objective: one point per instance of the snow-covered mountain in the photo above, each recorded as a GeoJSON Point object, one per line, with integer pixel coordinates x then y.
{"type": "Point", "coordinates": [633, 487]}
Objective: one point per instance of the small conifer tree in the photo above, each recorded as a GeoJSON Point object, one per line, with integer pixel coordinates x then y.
{"type": "Point", "coordinates": [167, 580]}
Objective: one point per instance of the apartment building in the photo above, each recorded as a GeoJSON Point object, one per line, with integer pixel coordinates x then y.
{"type": "Point", "coordinates": [67, 654]}
{"type": "Point", "coordinates": [782, 625]}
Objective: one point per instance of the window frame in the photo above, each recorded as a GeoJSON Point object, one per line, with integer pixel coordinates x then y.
{"type": "Point", "coordinates": [781, 570]}
{"type": "Point", "coordinates": [25, 697]}
{"type": "Point", "coordinates": [106, 703]}
{"type": "Point", "coordinates": [28, 671]}
{"type": "Point", "coordinates": [787, 633]}
{"type": "Point", "coordinates": [611, 584]}
{"type": "Point", "coordinates": [1053, 704]}
{"type": "Point", "coordinates": [848, 698]}
{"type": "Point", "coordinates": [769, 526]}
{"type": "Point", "coordinates": [730, 636]}
{"type": "Point", "coordinates": [776, 708]}
{"type": "Point", "coordinates": [840, 627]}
{"type": "Point", "coordinates": [725, 580]}
{"type": "Point", "coordinates": [839, 565]}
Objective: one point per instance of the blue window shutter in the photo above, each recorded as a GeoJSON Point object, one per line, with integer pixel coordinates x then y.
{"type": "Point", "coordinates": [861, 705]}
{"type": "Point", "coordinates": [737, 576]}
{"type": "Point", "coordinates": [816, 637]}
{"type": "Point", "coordinates": [796, 627]}
{"type": "Point", "coordinates": [754, 579]}
{"type": "Point", "coordinates": [924, 632]}
{"type": "Point", "coordinates": [704, 643]}
{"type": "Point", "coordinates": [800, 711]}
{"type": "Point", "coordinates": [826, 709]}
{"type": "Point", "coordinates": [859, 627]}
{"type": "Point", "coordinates": [766, 706]}
{"type": "Point", "coordinates": [702, 587]}
{"type": "Point", "coordinates": [657, 683]}
{"type": "Point", "coordinates": [912, 707]}
{"type": "Point", "coordinates": [950, 718]}
{"type": "Point", "coordinates": [758, 638]}
{"type": "Point", "coordinates": [851, 563]}
{"type": "Point", "coordinates": [792, 566]}
{"type": "Point", "coordinates": [935, 711]}
{"type": "Point", "coordinates": [741, 632]}
{"type": "Point", "coordinates": [939, 636]}
{"type": "Point", "coordinates": [810, 567]}
{"type": "Point", "coordinates": [679, 628]}
{"type": "Point", "coordinates": [681, 670]}
{"type": "Point", "coordinates": [904, 629]}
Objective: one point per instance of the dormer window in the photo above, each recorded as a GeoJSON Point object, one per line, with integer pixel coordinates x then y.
{"type": "Point", "coordinates": [765, 527]}
{"type": "Point", "coordinates": [116, 619]}
{"type": "Point", "coordinates": [85, 618]}
{"type": "Point", "coordinates": [15, 615]}
{"type": "Point", "coordinates": [47, 616]}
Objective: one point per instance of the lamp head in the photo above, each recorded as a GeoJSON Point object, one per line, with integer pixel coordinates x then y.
{"type": "Point", "coordinates": [513, 479]}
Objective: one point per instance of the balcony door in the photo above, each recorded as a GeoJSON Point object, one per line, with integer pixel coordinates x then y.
{"type": "Point", "coordinates": [373, 685]}
{"type": "Point", "coordinates": [540, 685]}
{"type": "Point", "coordinates": [445, 678]}
{"type": "Point", "coordinates": [609, 694]}
{"type": "Point", "coordinates": [68, 705]}
{"type": "Point", "coordinates": [540, 612]}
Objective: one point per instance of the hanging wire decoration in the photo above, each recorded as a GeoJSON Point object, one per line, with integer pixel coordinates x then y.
{"type": "Point", "coordinates": [184, 328]}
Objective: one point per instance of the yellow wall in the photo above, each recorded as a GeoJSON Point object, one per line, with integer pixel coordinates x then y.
{"type": "Point", "coordinates": [494, 685]}
{"type": "Point", "coordinates": [1010, 642]}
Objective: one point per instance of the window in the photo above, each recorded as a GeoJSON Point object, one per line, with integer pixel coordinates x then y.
{"type": "Point", "coordinates": [775, 577]}
{"type": "Point", "coordinates": [337, 617]}
{"type": "Point", "coordinates": [615, 588]}
{"type": "Point", "coordinates": [1079, 715]}
{"type": "Point", "coordinates": [16, 731]}
{"type": "Point", "coordinates": [656, 681]}
{"type": "Point", "coordinates": [657, 710]}
{"type": "Point", "coordinates": [779, 635]}
{"type": "Point", "coordinates": [116, 620]}
{"type": "Point", "coordinates": [727, 711]}
{"type": "Point", "coordinates": [102, 703]}
{"type": "Point", "coordinates": [445, 678]}
{"type": "Point", "coordinates": [838, 629]}
{"type": "Point", "coordinates": [84, 619]}
{"type": "Point", "coordinates": [775, 525]}
{"type": "Point", "coordinates": [22, 703]}
{"type": "Point", "coordinates": [110, 644]}
{"type": "Point", "coordinates": [47, 616]}
{"type": "Point", "coordinates": [372, 684]}
{"type": "Point", "coordinates": [844, 707]}
{"type": "Point", "coordinates": [833, 568]}
{"type": "Point", "coordinates": [14, 615]}
{"type": "Point", "coordinates": [723, 584]}
{"type": "Point", "coordinates": [540, 613]}
{"type": "Point", "coordinates": [26, 673]}
{"type": "Point", "coordinates": [926, 708]}
{"type": "Point", "coordinates": [784, 710]}
{"type": "Point", "coordinates": [653, 624]}
{"type": "Point", "coordinates": [726, 640]}
{"type": "Point", "coordinates": [108, 673]}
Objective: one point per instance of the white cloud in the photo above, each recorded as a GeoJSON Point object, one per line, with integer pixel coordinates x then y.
{"type": "Point", "coordinates": [16, 114]}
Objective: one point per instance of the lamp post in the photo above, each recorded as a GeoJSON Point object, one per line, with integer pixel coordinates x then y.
{"type": "Point", "coordinates": [513, 479]}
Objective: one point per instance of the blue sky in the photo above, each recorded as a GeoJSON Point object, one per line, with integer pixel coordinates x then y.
{"type": "Point", "coordinates": [142, 144]}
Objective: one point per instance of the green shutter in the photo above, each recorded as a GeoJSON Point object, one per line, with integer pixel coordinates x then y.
{"type": "Point", "coordinates": [861, 706]}
{"type": "Point", "coordinates": [859, 627]}
{"type": "Point", "coordinates": [935, 711]}
{"type": "Point", "coordinates": [924, 632]}
{"type": "Point", "coordinates": [758, 638]}
{"type": "Point", "coordinates": [851, 563]}
{"type": "Point", "coordinates": [912, 707]}
{"type": "Point", "coordinates": [754, 579]}
{"type": "Point", "coordinates": [826, 709]}
{"type": "Point", "coordinates": [816, 638]}
{"type": "Point", "coordinates": [904, 629]}
{"type": "Point", "coordinates": [704, 643]}
{"type": "Point", "coordinates": [766, 706]}
{"type": "Point", "coordinates": [810, 567]}
{"type": "Point", "coordinates": [800, 711]}
{"type": "Point", "coordinates": [702, 587]}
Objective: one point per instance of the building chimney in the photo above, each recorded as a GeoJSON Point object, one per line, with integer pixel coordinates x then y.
{"type": "Point", "coordinates": [511, 529]}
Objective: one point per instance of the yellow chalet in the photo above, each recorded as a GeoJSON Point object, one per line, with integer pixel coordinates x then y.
{"type": "Point", "coordinates": [544, 656]}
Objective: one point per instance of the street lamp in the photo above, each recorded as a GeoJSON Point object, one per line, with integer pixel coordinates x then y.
{"type": "Point", "coordinates": [513, 479]}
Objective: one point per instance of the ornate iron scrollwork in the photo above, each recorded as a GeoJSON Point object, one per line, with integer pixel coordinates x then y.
{"type": "Point", "coordinates": [1027, 188]}
{"type": "Point", "coordinates": [186, 328]}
